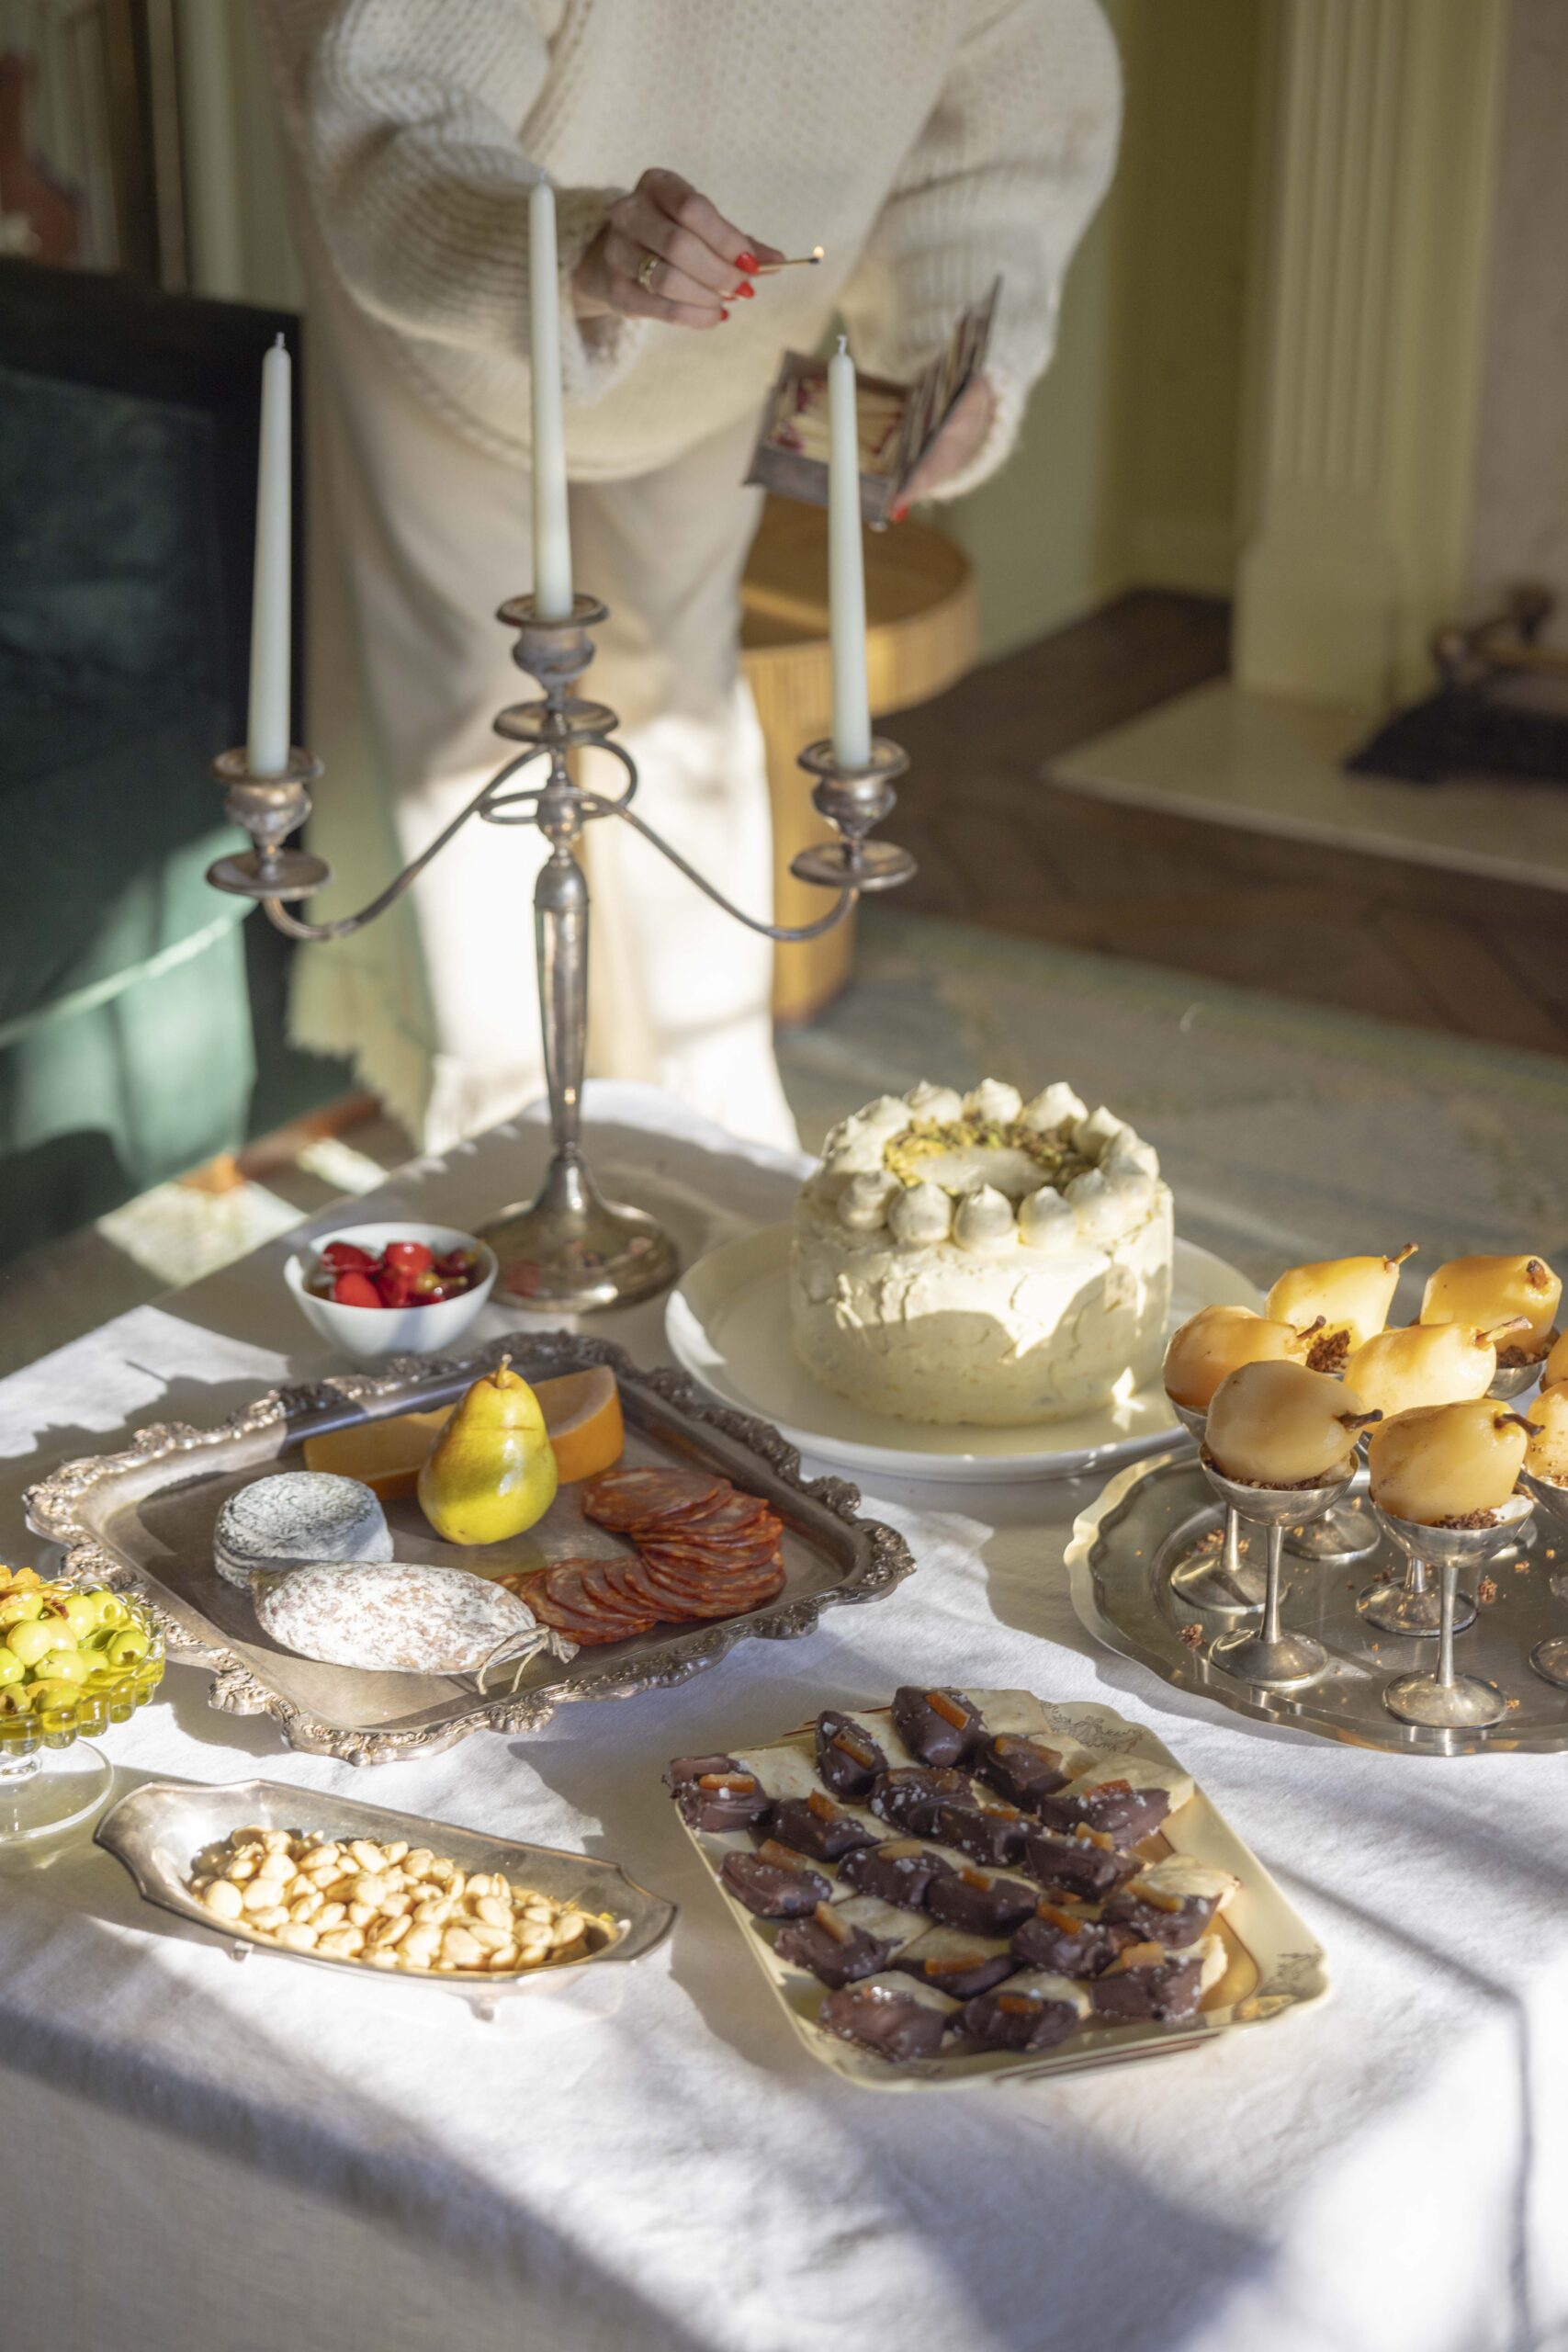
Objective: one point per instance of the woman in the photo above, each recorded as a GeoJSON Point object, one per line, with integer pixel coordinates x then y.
{"type": "Point", "coordinates": [928, 149]}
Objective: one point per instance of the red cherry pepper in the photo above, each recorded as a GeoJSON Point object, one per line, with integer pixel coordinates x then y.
{"type": "Point", "coordinates": [395, 1288]}
{"type": "Point", "coordinates": [342, 1255]}
{"type": "Point", "coordinates": [355, 1289]}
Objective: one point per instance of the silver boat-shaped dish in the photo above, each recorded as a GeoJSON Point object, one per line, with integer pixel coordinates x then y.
{"type": "Point", "coordinates": [1150, 1514]}
{"type": "Point", "coordinates": [1273, 1963]}
{"type": "Point", "coordinates": [158, 1830]}
{"type": "Point", "coordinates": [145, 1518]}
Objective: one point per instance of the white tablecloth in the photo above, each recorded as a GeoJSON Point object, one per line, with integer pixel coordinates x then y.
{"type": "Point", "coordinates": [200, 2154]}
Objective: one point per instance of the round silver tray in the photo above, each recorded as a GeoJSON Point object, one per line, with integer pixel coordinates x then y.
{"type": "Point", "coordinates": [1120, 1560]}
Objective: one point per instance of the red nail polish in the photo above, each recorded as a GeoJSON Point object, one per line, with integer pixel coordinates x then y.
{"type": "Point", "coordinates": [724, 314]}
{"type": "Point", "coordinates": [744, 294]}
{"type": "Point", "coordinates": [748, 261]}
{"type": "Point", "coordinates": [901, 511]}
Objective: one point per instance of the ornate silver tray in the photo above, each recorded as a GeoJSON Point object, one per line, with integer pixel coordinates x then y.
{"type": "Point", "coordinates": [1120, 1559]}
{"type": "Point", "coordinates": [158, 1828]}
{"type": "Point", "coordinates": [1274, 1963]}
{"type": "Point", "coordinates": [145, 1518]}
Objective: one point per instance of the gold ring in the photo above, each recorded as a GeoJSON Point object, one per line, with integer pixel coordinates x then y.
{"type": "Point", "coordinates": [645, 270]}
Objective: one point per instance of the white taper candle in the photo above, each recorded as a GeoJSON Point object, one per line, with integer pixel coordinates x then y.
{"type": "Point", "coordinates": [846, 569]}
{"type": "Point", "coordinates": [552, 533]}
{"type": "Point", "coordinates": [267, 747]}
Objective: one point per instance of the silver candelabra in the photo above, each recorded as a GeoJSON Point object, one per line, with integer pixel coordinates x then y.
{"type": "Point", "coordinates": [567, 1249]}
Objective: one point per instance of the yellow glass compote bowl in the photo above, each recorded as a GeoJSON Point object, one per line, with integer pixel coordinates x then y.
{"type": "Point", "coordinates": [73, 1660]}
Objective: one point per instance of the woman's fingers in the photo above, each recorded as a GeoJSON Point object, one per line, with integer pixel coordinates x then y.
{"type": "Point", "coordinates": [691, 215]}
{"type": "Point", "coordinates": [628, 256]}
{"type": "Point", "coordinates": [956, 445]}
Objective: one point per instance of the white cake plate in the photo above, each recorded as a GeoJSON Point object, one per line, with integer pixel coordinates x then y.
{"type": "Point", "coordinates": [727, 1324]}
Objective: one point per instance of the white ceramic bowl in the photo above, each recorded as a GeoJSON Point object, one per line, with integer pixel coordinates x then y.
{"type": "Point", "coordinates": [371, 1332]}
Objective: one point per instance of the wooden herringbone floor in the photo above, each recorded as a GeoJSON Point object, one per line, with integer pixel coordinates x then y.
{"type": "Point", "coordinates": [996, 846]}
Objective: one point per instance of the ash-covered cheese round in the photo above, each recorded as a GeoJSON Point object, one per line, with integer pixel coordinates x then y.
{"type": "Point", "coordinates": [394, 1617]}
{"type": "Point", "coordinates": [296, 1516]}
{"type": "Point", "coordinates": [978, 1258]}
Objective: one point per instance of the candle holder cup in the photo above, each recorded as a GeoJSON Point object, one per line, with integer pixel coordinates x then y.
{"type": "Point", "coordinates": [1270, 1658]}
{"type": "Point", "coordinates": [567, 1249]}
{"type": "Point", "coordinates": [1442, 1699]}
{"type": "Point", "coordinates": [1218, 1579]}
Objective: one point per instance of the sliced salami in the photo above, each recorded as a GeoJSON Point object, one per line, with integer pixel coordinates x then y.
{"type": "Point", "coordinates": [625, 1498]}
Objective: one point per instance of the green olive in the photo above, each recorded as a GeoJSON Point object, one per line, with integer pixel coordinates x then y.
{"type": "Point", "coordinates": [11, 1667]}
{"type": "Point", "coordinates": [128, 1643]}
{"type": "Point", "coordinates": [17, 1607]}
{"type": "Point", "coordinates": [54, 1697]}
{"type": "Point", "coordinates": [32, 1640]}
{"type": "Point", "coordinates": [16, 1698]}
{"type": "Point", "coordinates": [80, 1613]}
{"type": "Point", "coordinates": [62, 1665]}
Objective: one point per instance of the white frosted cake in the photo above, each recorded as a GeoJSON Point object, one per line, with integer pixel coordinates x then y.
{"type": "Point", "coordinates": [978, 1258]}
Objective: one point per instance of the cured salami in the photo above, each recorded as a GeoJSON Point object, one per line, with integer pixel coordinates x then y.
{"type": "Point", "coordinates": [703, 1551]}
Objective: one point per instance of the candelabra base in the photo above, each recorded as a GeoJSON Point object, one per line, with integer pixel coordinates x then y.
{"type": "Point", "coordinates": [569, 1250]}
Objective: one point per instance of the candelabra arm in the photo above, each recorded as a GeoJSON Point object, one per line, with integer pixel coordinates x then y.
{"type": "Point", "coordinates": [278, 915]}
{"type": "Point", "coordinates": [780, 932]}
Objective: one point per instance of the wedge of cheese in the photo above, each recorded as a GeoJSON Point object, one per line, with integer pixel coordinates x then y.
{"type": "Point", "coordinates": [387, 1456]}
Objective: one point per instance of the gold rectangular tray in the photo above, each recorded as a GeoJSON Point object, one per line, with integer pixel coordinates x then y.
{"type": "Point", "coordinates": [1274, 1963]}
{"type": "Point", "coordinates": [145, 1518]}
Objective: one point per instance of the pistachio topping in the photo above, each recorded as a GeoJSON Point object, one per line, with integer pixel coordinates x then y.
{"type": "Point", "coordinates": [907, 1156]}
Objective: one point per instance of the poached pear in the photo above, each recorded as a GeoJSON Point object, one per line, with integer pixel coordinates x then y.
{"type": "Point", "coordinates": [491, 1471]}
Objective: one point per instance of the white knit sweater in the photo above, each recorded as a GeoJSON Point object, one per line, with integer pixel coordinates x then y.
{"type": "Point", "coordinates": [928, 144]}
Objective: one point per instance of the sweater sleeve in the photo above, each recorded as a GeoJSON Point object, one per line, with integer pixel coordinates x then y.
{"type": "Point", "coordinates": [1004, 179]}
{"type": "Point", "coordinates": [405, 119]}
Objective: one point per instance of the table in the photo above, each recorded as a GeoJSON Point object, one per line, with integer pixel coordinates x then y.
{"type": "Point", "coordinates": [204, 2154]}
{"type": "Point", "coordinates": [922, 634]}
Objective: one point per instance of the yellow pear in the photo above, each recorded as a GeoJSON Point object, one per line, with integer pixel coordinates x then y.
{"type": "Point", "coordinates": [1556, 1364]}
{"type": "Point", "coordinates": [1277, 1424]}
{"type": "Point", "coordinates": [491, 1471]}
{"type": "Point", "coordinates": [1213, 1342]}
{"type": "Point", "coordinates": [1547, 1454]}
{"type": "Point", "coordinates": [1442, 1463]}
{"type": "Point", "coordinates": [1349, 1296]}
{"type": "Point", "coordinates": [1427, 1363]}
{"type": "Point", "coordinates": [1486, 1290]}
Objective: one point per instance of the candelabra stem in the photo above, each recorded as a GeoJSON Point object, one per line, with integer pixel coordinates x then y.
{"type": "Point", "coordinates": [561, 933]}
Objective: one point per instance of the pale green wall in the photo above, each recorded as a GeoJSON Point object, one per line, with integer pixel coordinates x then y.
{"type": "Point", "coordinates": [1126, 472]}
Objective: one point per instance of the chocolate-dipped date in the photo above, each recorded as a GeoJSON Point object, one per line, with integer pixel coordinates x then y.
{"type": "Point", "coordinates": [848, 1758]}
{"type": "Point", "coordinates": [979, 1903]}
{"type": "Point", "coordinates": [1066, 1942]}
{"type": "Point", "coordinates": [911, 1796]}
{"type": "Point", "coordinates": [939, 1726]}
{"type": "Point", "coordinates": [895, 2017]}
{"type": "Point", "coordinates": [833, 1946]}
{"type": "Point", "coordinates": [816, 1825]}
{"type": "Point", "coordinates": [958, 1963]}
{"type": "Point", "coordinates": [1146, 1984]}
{"type": "Point", "coordinates": [1033, 2011]}
{"type": "Point", "coordinates": [1021, 1771]}
{"type": "Point", "coordinates": [1084, 1863]}
{"type": "Point", "coordinates": [713, 1793]}
{"type": "Point", "coordinates": [774, 1883]}
{"type": "Point", "coordinates": [1122, 1804]}
{"type": "Point", "coordinates": [992, 1835]}
{"type": "Point", "coordinates": [1171, 1903]}
{"type": "Point", "coordinates": [899, 1871]}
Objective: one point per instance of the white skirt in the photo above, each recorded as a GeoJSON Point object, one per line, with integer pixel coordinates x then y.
{"type": "Point", "coordinates": [415, 537]}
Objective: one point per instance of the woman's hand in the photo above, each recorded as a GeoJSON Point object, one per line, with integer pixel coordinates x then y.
{"type": "Point", "coordinates": [960, 439]}
{"type": "Point", "coordinates": [700, 260]}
